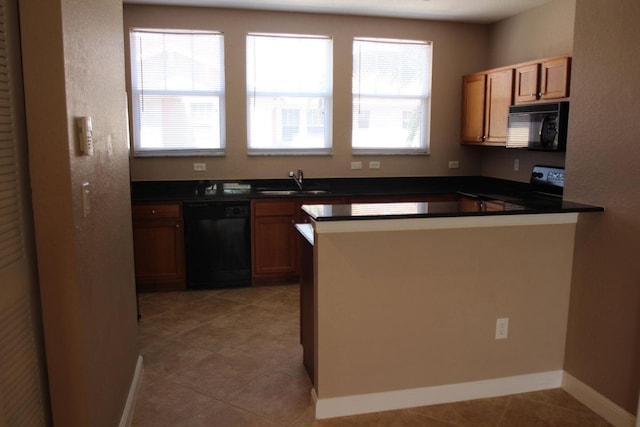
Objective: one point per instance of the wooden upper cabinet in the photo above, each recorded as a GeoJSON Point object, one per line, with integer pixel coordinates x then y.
{"type": "Point", "coordinates": [526, 86]}
{"type": "Point", "coordinates": [555, 78]}
{"type": "Point", "coordinates": [543, 80]}
{"type": "Point", "coordinates": [486, 98]}
{"type": "Point", "coordinates": [473, 104]}
{"type": "Point", "coordinates": [499, 97]}
{"type": "Point", "coordinates": [487, 95]}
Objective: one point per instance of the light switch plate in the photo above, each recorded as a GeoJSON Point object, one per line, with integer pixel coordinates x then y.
{"type": "Point", "coordinates": [86, 199]}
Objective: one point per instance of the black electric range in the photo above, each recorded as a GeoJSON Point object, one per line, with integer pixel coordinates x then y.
{"type": "Point", "coordinates": [545, 189]}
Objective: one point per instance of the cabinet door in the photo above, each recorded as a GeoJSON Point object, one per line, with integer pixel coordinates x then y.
{"type": "Point", "coordinates": [159, 255]}
{"type": "Point", "coordinates": [473, 104]}
{"type": "Point", "coordinates": [526, 83]}
{"type": "Point", "coordinates": [499, 96]}
{"type": "Point", "coordinates": [274, 246]}
{"type": "Point", "coordinates": [555, 78]}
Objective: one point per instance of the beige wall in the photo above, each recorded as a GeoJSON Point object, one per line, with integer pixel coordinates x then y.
{"type": "Point", "coordinates": [544, 31]}
{"type": "Point", "coordinates": [458, 49]}
{"type": "Point", "coordinates": [603, 343]}
{"type": "Point", "coordinates": [541, 32]}
{"type": "Point", "coordinates": [73, 66]}
{"type": "Point", "coordinates": [409, 309]}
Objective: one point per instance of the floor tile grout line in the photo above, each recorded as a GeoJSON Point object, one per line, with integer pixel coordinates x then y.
{"type": "Point", "coordinates": [504, 411]}
{"type": "Point", "coordinates": [434, 418]}
{"type": "Point", "coordinates": [557, 407]}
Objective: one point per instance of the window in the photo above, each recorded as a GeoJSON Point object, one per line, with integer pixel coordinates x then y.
{"type": "Point", "coordinates": [177, 80]}
{"type": "Point", "coordinates": [289, 86]}
{"type": "Point", "coordinates": [391, 96]}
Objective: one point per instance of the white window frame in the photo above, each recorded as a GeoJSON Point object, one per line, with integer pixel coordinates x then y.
{"type": "Point", "coordinates": [422, 96]}
{"type": "Point", "coordinates": [193, 96]}
{"type": "Point", "coordinates": [280, 144]}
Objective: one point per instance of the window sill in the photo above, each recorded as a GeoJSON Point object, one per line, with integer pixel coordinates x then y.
{"type": "Point", "coordinates": [291, 152]}
{"type": "Point", "coordinates": [179, 153]}
{"type": "Point", "coordinates": [389, 152]}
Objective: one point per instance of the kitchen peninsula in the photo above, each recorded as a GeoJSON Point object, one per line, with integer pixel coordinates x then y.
{"type": "Point", "coordinates": [400, 301]}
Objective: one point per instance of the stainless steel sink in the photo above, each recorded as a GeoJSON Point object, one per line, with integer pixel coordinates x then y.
{"type": "Point", "coordinates": [278, 192]}
{"type": "Point", "coordinates": [290, 192]}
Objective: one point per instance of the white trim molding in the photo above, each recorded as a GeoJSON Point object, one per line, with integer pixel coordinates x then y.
{"type": "Point", "coordinates": [638, 415]}
{"type": "Point", "coordinates": [400, 399]}
{"type": "Point", "coordinates": [130, 405]}
{"type": "Point", "coordinates": [598, 403]}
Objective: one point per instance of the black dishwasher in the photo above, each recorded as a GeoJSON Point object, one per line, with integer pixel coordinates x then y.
{"type": "Point", "coordinates": [217, 244]}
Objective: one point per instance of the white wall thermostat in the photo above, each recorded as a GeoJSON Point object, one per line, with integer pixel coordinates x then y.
{"type": "Point", "coordinates": [85, 135]}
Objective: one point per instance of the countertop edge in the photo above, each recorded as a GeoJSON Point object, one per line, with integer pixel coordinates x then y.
{"type": "Point", "coordinates": [440, 223]}
{"type": "Point", "coordinates": [306, 231]}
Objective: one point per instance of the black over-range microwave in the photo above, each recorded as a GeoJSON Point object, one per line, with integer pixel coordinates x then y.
{"type": "Point", "coordinates": [541, 127]}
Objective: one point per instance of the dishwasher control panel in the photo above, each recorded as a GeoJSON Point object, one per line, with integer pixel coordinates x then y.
{"type": "Point", "coordinates": [236, 211]}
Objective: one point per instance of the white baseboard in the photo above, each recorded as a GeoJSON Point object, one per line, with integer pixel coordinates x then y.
{"type": "Point", "coordinates": [597, 402]}
{"type": "Point", "coordinates": [400, 399]}
{"type": "Point", "coordinates": [127, 413]}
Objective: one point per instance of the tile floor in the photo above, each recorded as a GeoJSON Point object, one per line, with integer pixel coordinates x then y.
{"type": "Point", "coordinates": [231, 358]}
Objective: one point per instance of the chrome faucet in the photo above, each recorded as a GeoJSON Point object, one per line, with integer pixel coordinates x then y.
{"type": "Point", "coordinates": [297, 178]}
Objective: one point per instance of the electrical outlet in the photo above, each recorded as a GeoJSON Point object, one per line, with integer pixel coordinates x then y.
{"type": "Point", "coordinates": [199, 167]}
{"type": "Point", "coordinates": [516, 165]}
{"type": "Point", "coordinates": [374, 165]}
{"type": "Point", "coordinates": [454, 164]}
{"type": "Point", "coordinates": [356, 165]}
{"type": "Point", "coordinates": [502, 328]}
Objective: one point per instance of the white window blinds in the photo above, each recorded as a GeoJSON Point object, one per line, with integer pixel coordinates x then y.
{"type": "Point", "coordinates": [391, 87]}
{"type": "Point", "coordinates": [177, 92]}
{"type": "Point", "coordinates": [289, 87]}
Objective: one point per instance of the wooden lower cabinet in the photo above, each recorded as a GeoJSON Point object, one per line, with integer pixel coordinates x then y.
{"type": "Point", "coordinates": [307, 309]}
{"type": "Point", "coordinates": [274, 245]}
{"type": "Point", "coordinates": [158, 241]}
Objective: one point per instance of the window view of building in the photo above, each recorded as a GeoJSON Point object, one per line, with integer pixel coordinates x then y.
{"type": "Point", "coordinates": [391, 96]}
{"type": "Point", "coordinates": [177, 92]}
{"type": "Point", "coordinates": [289, 93]}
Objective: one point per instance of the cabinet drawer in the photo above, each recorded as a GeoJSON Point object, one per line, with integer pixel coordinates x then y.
{"type": "Point", "coordinates": [159, 210]}
{"type": "Point", "coordinates": [274, 207]}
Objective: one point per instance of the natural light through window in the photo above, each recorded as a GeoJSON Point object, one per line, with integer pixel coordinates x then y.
{"type": "Point", "coordinates": [289, 88]}
{"type": "Point", "coordinates": [177, 92]}
{"type": "Point", "coordinates": [391, 88]}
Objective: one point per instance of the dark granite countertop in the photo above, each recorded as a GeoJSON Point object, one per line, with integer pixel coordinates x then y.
{"type": "Point", "coordinates": [223, 190]}
{"type": "Point", "coordinates": [482, 196]}
{"type": "Point", "coordinates": [467, 206]}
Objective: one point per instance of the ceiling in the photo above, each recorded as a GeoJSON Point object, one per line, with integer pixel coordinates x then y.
{"type": "Point", "coordinates": [477, 11]}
